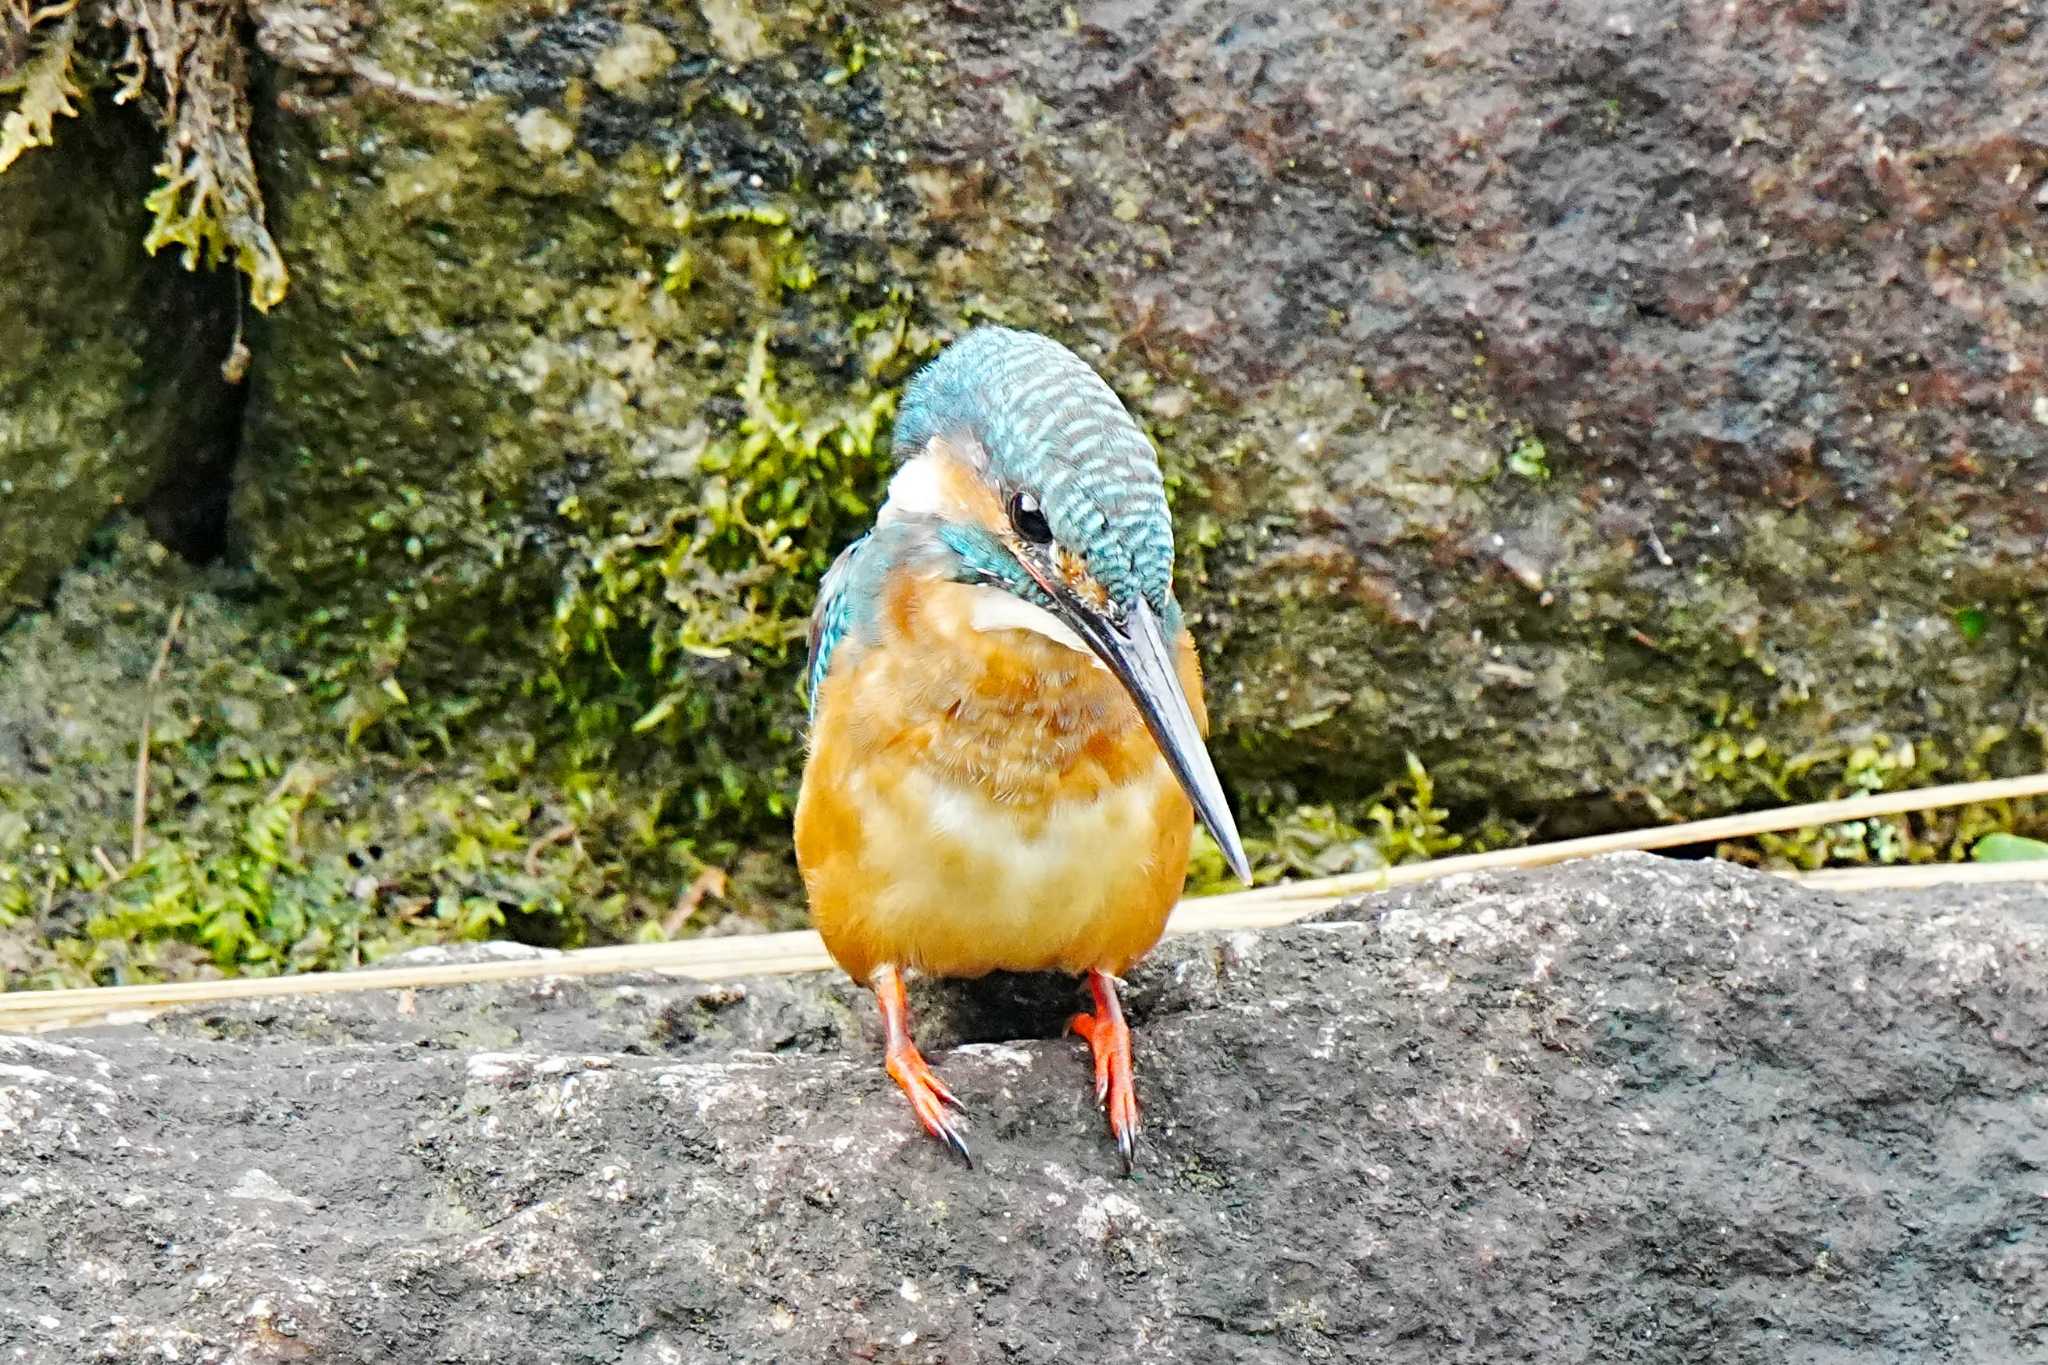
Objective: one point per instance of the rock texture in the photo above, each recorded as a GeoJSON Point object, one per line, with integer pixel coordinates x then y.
{"type": "Point", "coordinates": [1628, 1109]}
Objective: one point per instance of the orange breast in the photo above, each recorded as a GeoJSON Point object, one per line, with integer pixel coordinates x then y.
{"type": "Point", "coordinates": [982, 800]}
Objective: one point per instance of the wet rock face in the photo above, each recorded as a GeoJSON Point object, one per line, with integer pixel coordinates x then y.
{"type": "Point", "coordinates": [110, 390]}
{"type": "Point", "coordinates": [1685, 241]}
{"type": "Point", "coordinates": [1630, 413]}
{"type": "Point", "coordinates": [587, 411]}
{"type": "Point", "coordinates": [1621, 1108]}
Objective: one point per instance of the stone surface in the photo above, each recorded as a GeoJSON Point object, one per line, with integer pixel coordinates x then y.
{"type": "Point", "coordinates": [1573, 385]}
{"type": "Point", "coordinates": [110, 389]}
{"type": "Point", "coordinates": [1629, 1109]}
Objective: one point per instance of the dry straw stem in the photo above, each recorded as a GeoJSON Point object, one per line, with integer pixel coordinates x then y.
{"type": "Point", "coordinates": [714, 959]}
{"type": "Point", "coordinates": [1306, 897]}
{"type": "Point", "coordinates": [139, 831]}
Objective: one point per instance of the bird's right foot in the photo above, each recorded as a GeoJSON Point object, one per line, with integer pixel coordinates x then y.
{"type": "Point", "coordinates": [929, 1098]}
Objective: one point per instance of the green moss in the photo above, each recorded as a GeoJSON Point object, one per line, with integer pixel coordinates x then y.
{"type": "Point", "coordinates": [272, 842]}
{"type": "Point", "coordinates": [1749, 771]}
{"type": "Point", "coordinates": [206, 201]}
{"type": "Point", "coordinates": [530, 595]}
{"type": "Point", "coordinates": [1567, 655]}
{"type": "Point", "coordinates": [189, 59]}
{"type": "Point", "coordinates": [595, 515]}
{"type": "Point", "coordinates": [541, 471]}
{"type": "Point", "coordinates": [663, 618]}
{"type": "Point", "coordinates": [108, 365]}
{"type": "Point", "coordinates": [1402, 825]}
{"type": "Point", "coordinates": [1530, 460]}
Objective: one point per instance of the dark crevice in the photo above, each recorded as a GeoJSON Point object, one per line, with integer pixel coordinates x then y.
{"type": "Point", "coordinates": [187, 511]}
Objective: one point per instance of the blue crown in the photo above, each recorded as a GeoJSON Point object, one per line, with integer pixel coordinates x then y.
{"type": "Point", "coordinates": [1052, 427]}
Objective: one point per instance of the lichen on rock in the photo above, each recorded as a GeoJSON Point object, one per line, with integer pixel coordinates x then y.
{"type": "Point", "coordinates": [595, 481]}
{"type": "Point", "coordinates": [36, 68]}
{"type": "Point", "coordinates": [188, 63]}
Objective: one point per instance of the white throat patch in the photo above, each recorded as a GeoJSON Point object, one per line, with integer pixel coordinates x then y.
{"type": "Point", "coordinates": [995, 609]}
{"type": "Point", "coordinates": [920, 488]}
{"type": "Point", "coordinates": [917, 489]}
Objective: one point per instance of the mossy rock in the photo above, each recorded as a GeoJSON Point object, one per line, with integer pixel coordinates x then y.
{"type": "Point", "coordinates": [110, 384]}
{"type": "Point", "coordinates": [1541, 463]}
{"type": "Point", "coordinates": [528, 425]}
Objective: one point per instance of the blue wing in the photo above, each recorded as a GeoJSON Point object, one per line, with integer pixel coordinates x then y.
{"type": "Point", "coordinates": [832, 618]}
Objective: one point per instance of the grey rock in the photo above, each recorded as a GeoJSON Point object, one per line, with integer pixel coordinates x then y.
{"type": "Point", "coordinates": [1623, 1110]}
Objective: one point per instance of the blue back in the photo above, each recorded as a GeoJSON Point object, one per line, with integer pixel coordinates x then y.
{"type": "Point", "coordinates": [835, 614]}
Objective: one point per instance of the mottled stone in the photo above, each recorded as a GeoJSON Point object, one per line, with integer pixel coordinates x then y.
{"type": "Point", "coordinates": [1547, 391]}
{"type": "Point", "coordinates": [1632, 411]}
{"type": "Point", "coordinates": [1581, 380]}
{"type": "Point", "coordinates": [1628, 1109]}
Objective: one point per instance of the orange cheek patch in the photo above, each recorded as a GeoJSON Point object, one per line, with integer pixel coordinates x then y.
{"type": "Point", "coordinates": [1074, 571]}
{"type": "Point", "coordinates": [963, 493]}
{"type": "Point", "coordinates": [1190, 665]}
{"type": "Point", "coordinates": [902, 603]}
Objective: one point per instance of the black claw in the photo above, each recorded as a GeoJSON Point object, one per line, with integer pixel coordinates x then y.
{"type": "Point", "coordinates": [1127, 1148]}
{"type": "Point", "coordinates": [958, 1144]}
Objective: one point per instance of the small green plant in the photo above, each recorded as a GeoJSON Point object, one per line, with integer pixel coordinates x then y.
{"type": "Point", "coordinates": [1402, 825]}
{"type": "Point", "coordinates": [1740, 769]}
{"type": "Point", "coordinates": [660, 617]}
{"type": "Point", "coordinates": [1413, 828]}
{"type": "Point", "coordinates": [1531, 460]}
{"type": "Point", "coordinates": [2000, 847]}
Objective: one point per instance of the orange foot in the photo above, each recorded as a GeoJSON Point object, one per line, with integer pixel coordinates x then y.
{"type": "Point", "coordinates": [1109, 1038]}
{"type": "Point", "coordinates": [906, 1065]}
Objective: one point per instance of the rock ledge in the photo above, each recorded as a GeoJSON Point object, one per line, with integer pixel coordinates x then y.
{"type": "Point", "coordinates": [1626, 1109]}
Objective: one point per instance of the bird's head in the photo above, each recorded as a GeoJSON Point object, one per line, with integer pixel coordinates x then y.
{"type": "Point", "coordinates": [1031, 472]}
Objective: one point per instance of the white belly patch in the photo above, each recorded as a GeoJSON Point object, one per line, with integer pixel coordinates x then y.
{"type": "Point", "coordinates": [948, 859]}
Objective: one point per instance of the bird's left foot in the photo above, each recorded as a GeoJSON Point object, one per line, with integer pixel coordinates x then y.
{"type": "Point", "coordinates": [1109, 1038]}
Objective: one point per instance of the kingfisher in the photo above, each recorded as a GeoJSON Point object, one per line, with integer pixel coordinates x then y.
{"type": "Point", "coordinates": [1007, 747]}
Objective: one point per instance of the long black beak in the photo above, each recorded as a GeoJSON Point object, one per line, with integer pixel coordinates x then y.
{"type": "Point", "coordinates": [1138, 653]}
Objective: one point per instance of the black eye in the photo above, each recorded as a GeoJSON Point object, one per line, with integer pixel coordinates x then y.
{"type": "Point", "coordinates": [1029, 519]}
